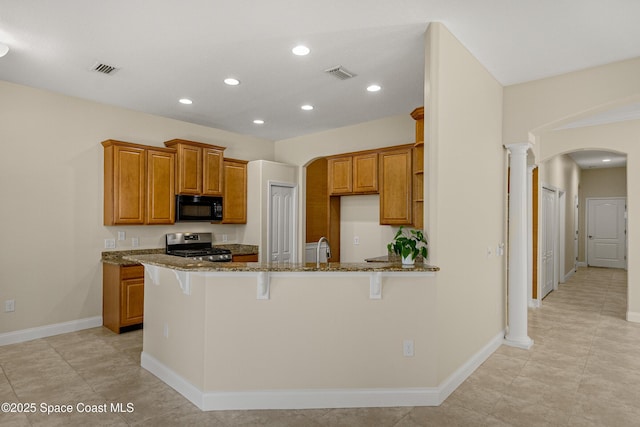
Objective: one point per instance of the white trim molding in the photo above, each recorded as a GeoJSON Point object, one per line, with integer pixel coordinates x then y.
{"type": "Point", "coordinates": [49, 330]}
{"type": "Point", "coordinates": [569, 274]}
{"type": "Point", "coordinates": [320, 398]}
{"type": "Point", "coordinates": [633, 316]}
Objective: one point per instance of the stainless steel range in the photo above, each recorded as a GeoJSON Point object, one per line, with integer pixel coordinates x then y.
{"type": "Point", "coordinates": [196, 246]}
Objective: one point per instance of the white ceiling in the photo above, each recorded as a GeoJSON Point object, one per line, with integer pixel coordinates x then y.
{"type": "Point", "coordinates": [591, 159]}
{"type": "Point", "coordinates": [170, 49]}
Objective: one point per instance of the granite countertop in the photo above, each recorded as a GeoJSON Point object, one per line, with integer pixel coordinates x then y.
{"type": "Point", "coordinates": [119, 257]}
{"type": "Point", "coordinates": [238, 248]}
{"type": "Point", "coordinates": [188, 264]}
{"type": "Point", "coordinates": [391, 258]}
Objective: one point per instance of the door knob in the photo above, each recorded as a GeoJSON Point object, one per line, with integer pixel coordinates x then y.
{"type": "Point", "coordinates": [591, 237]}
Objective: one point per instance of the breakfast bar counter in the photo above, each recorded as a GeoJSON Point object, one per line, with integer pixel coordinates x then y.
{"type": "Point", "coordinates": [189, 264]}
{"type": "Point", "coordinates": [273, 336]}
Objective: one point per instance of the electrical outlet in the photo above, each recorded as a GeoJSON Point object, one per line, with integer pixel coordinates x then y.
{"type": "Point", "coordinates": [407, 348]}
{"type": "Point", "coordinates": [9, 305]}
{"type": "Point", "coordinates": [121, 235]}
{"type": "Point", "coordinates": [356, 240]}
{"type": "Point", "coordinates": [225, 237]}
{"type": "Point", "coordinates": [135, 242]}
{"type": "Point", "coordinates": [109, 243]}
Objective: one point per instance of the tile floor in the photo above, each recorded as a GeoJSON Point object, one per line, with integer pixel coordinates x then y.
{"type": "Point", "coordinates": [584, 370]}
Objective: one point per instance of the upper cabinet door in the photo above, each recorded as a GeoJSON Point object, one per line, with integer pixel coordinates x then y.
{"type": "Point", "coordinates": [199, 167]}
{"type": "Point", "coordinates": [189, 170]}
{"type": "Point", "coordinates": [160, 187]}
{"type": "Point", "coordinates": [212, 172]}
{"type": "Point", "coordinates": [365, 173]}
{"type": "Point", "coordinates": [124, 183]}
{"type": "Point", "coordinates": [235, 192]}
{"type": "Point", "coordinates": [395, 186]}
{"type": "Point", "coordinates": [340, 171]}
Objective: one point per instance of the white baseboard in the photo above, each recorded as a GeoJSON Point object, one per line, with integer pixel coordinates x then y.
{"type": "Point", "coordinates": [533, 303]}
{"type": "Point", "coordinates": [461, 374]}
{"type": "Point", "coordinates": [320, 398]}
{"type": "Point", "coordinates": [633, 316]}
{"type": "Point", "coordinates": [569, 274]}
{"type": "Point", "coordinates": [582, 264]}
{"type": "Point", "coordinates": [49, 330]}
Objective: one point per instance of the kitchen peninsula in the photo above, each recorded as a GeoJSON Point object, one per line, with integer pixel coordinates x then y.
{"type": "Point", "coordinates": [258, 336]}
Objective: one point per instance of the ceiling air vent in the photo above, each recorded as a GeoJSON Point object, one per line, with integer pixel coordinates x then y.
{"type": "Point", "coordinates": [340, 72]}
{"type": "Point", "coordinates": [104, 68]}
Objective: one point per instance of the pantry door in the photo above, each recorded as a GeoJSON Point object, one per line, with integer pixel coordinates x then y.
{"type": "Point", "coordinates": [282, 223]}
{"type": "Point", "coordinates": [606, 228]}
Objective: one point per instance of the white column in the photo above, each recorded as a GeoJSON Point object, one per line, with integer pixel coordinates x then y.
{"type": "Point", "coordinates": [517, 301]}
{"type": "Point", "coordinates": [531, 302]}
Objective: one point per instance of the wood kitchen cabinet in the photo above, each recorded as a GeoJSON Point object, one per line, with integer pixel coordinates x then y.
{"type": "Point", "coordinates": [122, 296]}
{"type": "Point", "coordinates": [235, 192]}
{"type": "Point", "coordinates": [340, 171]}
{"type": "Point", "coordinates": [199, 167]}
{"type": "Point", "coordinates": [418, 169]}
{"type": "Point", "coordinates": [322, 210]}
{"type": "Point", "coordinates": [396, 173]}
{"type": "Point", "coordinates": [353, 174]}
{"type": "Point", "coordinates": [245, 258]}
{"type": "Point", "coordinates": [138, 184]}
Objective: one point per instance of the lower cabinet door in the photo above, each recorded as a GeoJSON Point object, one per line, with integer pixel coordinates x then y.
{"type": "Point", "coordinates": [132, 301]}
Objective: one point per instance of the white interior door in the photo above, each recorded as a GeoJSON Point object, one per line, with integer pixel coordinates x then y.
{"type": "Point", "coordinates": [282, 224]}
{"type": "Point", "coordinates": [606, 238]}
{"type": "Point", "coordinates": [547, 240]}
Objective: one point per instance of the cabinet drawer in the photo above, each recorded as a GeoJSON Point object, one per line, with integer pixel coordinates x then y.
{"type": "Point", "coordinates": [132, 272]}
{"type": "Point", "coordinates": [245, 258]}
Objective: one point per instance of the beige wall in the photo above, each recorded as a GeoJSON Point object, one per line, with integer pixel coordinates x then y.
{"type": "Point", "coordinates": [465, 194]}
{"type": "Point", "coordinates": [533, 109]}
{"type": "Point", "coordinates": [562, 174]}
{"type": "Point", "coordinates": [535, 106]}
{"type": "Point", "coordinates": [51, 183]}
{"type": "Point", "coordinates": [601, 182]}
{"type": "Point", "coordinates": [360, 217]}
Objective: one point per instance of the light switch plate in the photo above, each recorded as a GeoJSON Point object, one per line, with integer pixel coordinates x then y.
{"type": "Point", "coordinates": [407, 348]}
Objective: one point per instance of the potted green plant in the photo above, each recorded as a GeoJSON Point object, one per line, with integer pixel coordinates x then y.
{"type": "Point", "coordinates": [409, 243]}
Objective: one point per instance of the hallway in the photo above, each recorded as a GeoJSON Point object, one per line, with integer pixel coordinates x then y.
{"type": "Point", "coordinates": [583, 370]}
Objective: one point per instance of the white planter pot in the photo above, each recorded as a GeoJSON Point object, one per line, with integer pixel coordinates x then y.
{"type": "Point", "coordinates": [408, 261]}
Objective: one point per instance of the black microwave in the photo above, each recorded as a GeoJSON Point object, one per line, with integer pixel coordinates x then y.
{"type": "Point", "coordinates": [198, 208]}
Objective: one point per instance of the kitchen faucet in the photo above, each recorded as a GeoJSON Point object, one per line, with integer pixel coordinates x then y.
{"type": "Point", "coordinates": [318, 251]}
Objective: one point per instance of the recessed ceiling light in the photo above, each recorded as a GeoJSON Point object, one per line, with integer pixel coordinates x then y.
{"type": "Point", "coordinates": [185, 101]}
{"type": "Point", "coordinates": [300, 50]}
{"type": "Point", "coordinates": [231, 81]}
{"type": "Point", "coordinates": [258, 121]}
{"type": "Point", "coordinates": [373, 88]}
{"type": "Point", "coordinates": [606, 160]}
{"type": "Point", "coordinates": [307, 107]}
{"type": "Point", "coordinates": [4, 49]}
